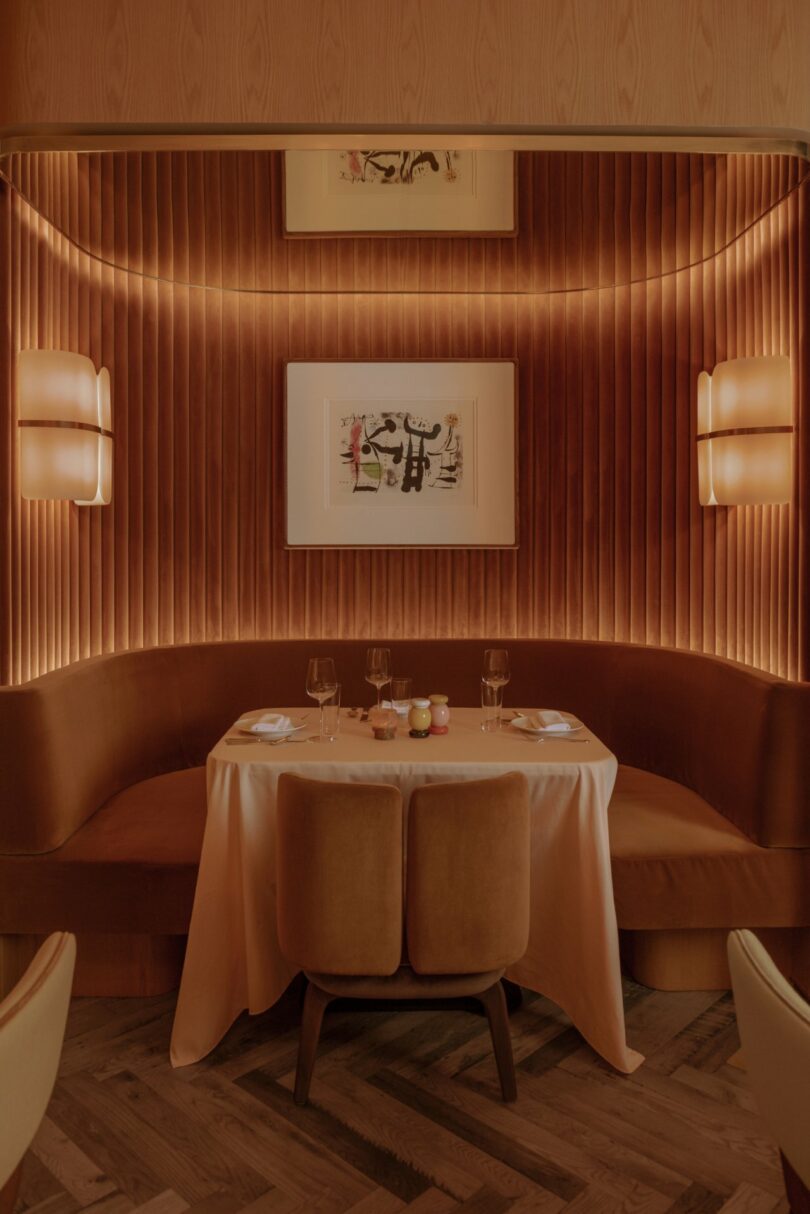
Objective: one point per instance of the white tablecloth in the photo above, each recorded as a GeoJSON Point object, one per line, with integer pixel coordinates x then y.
{"type": "Point", "coordinates": [233, 960]}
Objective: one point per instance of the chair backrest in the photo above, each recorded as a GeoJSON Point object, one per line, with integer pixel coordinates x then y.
{"type": "Point", "coordinates": [774, 1024]}
{"type": "Point", "coordinates": [467, 882]}
{"type": "Point", "coordinates": [339, 875]}
{"type": "Point", "coordinates": [32, 1028]}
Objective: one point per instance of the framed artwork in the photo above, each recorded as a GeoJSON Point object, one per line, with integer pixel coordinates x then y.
{"type": "Point", "coordinates": [401, 454]}
{"type": "Point", "coordinates": [333, 193]}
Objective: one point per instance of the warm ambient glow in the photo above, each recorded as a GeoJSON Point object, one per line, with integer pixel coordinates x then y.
{"type": "Point", "coordinates": [745, 432]}
{"type": "Point", "coordinates": [65, 428]}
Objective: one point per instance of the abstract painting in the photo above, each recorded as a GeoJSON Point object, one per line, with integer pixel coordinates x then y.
{"type": "Point", "coordinates": [392, 451]}
{"type": "Point", "coordinates": [424, 170]}
{"type": "Point", "coordinates": [418, 192]}
{"type": "Point", "coordinates": [369, 466]}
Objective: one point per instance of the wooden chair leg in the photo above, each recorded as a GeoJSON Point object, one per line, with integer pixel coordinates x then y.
{"type": "Point", "coordinates": [316, 1002]}
{"type": "Point", "coordinates": [514, 995]}
{"type": "Point", "coordinates": [10, 1190]}
{"type": "Point", "coordinates": [796, 1190]}
{"type": "Point", "coordinates": [494, 1002]}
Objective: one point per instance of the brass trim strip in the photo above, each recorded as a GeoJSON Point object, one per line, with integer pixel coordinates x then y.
{"type": "Point", "coordinates": [57, 425]}
{"type": "Point", "coordinates": [273, 137]}
{"type": "Point", "coordinates": [743, 430]}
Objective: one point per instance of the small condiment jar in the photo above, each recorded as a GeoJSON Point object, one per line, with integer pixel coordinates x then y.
{"type": "Point", "coordinates": [383, 722]}
{"type": "Point", "coordinates": [419, 718]}
{"type": "Point", "coordinates": [439, 714]}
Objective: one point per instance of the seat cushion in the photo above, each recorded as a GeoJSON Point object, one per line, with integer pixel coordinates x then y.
{"type": "Point", "coordinates": [405, 983]}
{"type": "Point", "coordinates": [132, 867]}
{"type": "Point", "coordinates": [678, 863]}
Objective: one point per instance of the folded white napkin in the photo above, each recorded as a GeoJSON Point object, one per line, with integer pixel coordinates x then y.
{"type": "Point", "coordinates": [271, 722]}
{"type": "Point", "coordinates": [548, 719]}
{"type": "Point", "coordinates": [401, 708]}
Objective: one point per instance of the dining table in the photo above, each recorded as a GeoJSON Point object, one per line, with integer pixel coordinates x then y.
{"type": "Point", "coordinates": [233, 959]}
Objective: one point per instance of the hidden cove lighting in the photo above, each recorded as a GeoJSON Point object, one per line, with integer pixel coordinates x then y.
{"type": "Point", "coordinates": [65, 423]}
{"type": "Point", "coordinates": [745, 432]}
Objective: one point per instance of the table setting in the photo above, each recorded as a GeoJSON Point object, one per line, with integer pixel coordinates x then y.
{"type": "Point", "coordinates": [233, 961]}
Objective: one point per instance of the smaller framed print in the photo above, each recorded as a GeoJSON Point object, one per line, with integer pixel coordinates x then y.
{"type": "Point", "coordinates": [401, 454]}
{"type": "Point", "coordinates": [407, 193]}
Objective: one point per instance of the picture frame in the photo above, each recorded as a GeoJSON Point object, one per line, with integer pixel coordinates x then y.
{"type": "Point", "coordinates": [408, 193]}
{"type": "Point", "coordinates": [401, 454]}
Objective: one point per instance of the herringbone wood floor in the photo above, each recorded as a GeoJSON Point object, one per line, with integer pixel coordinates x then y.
{"type": "Point", "coordinates": [405, 1114]}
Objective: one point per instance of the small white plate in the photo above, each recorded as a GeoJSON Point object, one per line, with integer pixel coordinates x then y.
{"type": "Point", "coordinates": [244, 726]}
{"type": "Point", "coordinates": [522, 723]}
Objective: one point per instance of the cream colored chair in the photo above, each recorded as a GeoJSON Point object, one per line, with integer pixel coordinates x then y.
{"type": "Point", "coordinates": [32, 1028]}
{"type": "Point", "coordinates": [774, 1023]}
{"type": "Point", "coordinates": [340, 897]}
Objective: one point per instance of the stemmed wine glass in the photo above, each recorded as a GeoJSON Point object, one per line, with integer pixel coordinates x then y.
{"type": "Point", "coordinates": [321, 684]}
{"type": "Point", "coordinates": [378, 669]}
{"type": "Point", "coordinates": [496, 673]}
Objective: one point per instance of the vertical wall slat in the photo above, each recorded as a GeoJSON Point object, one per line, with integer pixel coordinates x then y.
{"type": "Point", "coordinates": [630, 274]}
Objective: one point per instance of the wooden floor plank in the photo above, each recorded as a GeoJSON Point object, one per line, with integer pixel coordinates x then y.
{"type": "Point", "coordinates": [706, 1043]}
{"type": "Point", "coordinates": [405, 1115]}
{"type": "Point", "coordinates": [165, 1203]}
{"type": "Point", "coordinates": [449, 1162]}
{"type": "Point", "coordinates": [113, 1153]}
{"type": "Point", "coordinates": [381, 1201]}
{"type": "Point", "coordinates": [39, 1185]}
{"type": "Point", "coordinates": [74, 1170]}
{"type": "Point", "coordinates": [433, 1201]}
{"type": "Point", "coordinates": [676, 1135]}
{"type": "Point", "coordinates": [525, 1122]}
{"type": "Point", "coordinates": [749, 1200]}
{"type": "Point", "coordinates": [289, 1160]}
{"type": "Point", "coordinates": [223, 1171]}
{"type": "Point", "coordinates": [382, 1166]}
{"type": "Point", "coordinates": [541, 1171]}
{"type": "Point", "coordinates": [170, 1159]}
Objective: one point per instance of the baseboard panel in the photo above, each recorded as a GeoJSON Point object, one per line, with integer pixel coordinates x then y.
{"type": "Point", "coordinates": [694, 959]}
{"type": "Point", "coordinates": [106, 964]}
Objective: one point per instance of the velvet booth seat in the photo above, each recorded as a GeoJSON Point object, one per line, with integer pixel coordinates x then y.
{"type": "Point", "coordinates": [102, 788]}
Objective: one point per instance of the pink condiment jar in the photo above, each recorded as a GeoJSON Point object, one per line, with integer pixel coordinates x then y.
{"type": "Point", "coordinates": [439, 714]}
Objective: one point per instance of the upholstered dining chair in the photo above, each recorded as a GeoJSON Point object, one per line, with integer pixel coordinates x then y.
{"type": "Point", "coordinates": [342, 902]}
{"type": "Point", "coordinates": [774, 1023]}
{"type": "Point", "coordinates": [32, 1028]}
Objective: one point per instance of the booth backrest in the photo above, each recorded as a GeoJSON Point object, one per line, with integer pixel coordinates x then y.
{"type": "Point", "coordinates": [71, 739]}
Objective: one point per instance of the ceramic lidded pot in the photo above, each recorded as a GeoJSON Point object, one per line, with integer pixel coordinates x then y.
{"type": "Point", "coordinates": [439, 714]}
{"type": "Point", "coordinates": [419, 718]}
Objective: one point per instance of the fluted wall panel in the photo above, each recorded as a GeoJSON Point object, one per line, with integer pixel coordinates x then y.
{"type": "Point", "coordinates": [630, 274]}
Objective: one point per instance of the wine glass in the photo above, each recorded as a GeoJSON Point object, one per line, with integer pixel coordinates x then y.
{"type": "Point", "coordinates": [378, 669]}
{"type": "Point", "coordinates": [321, 684]}
{"type": "Point", "coordinates": [496, 674]}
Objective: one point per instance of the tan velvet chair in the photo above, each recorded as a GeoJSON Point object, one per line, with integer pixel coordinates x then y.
{"type": "Point", "coordinates": [774, 1022]}
{"type": "Point", "coordinates": [32, 1028]}
{"type": "Point", "coordinates": [340, 897]}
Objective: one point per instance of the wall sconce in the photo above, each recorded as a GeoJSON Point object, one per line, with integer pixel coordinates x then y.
{"type": "Point", "coordinates": [744, 432]}
{"type": "Point", "coordinates": [65, 420]}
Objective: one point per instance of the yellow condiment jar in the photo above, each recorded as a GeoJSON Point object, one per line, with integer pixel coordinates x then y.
{"type": "Point", "coordinates": [419, 718]}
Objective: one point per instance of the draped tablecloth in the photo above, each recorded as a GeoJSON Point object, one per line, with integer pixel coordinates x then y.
{"type": "Point", "coordinates": [233, 961]}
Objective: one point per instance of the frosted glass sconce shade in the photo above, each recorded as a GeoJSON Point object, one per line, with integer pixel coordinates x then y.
{"type": "Point", "coordinates": [65, 427]}
{"type": "Point", "coordinates": [745, 432]}
{"type": "Point", "coordinates": [103, 494]}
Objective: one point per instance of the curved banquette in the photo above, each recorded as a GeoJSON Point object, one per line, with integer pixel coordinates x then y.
{"type": "Point", "coordinates": [102, 781]}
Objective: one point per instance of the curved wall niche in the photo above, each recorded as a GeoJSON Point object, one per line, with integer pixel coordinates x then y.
{"type": "Point", "coordinates": [631, 273]}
